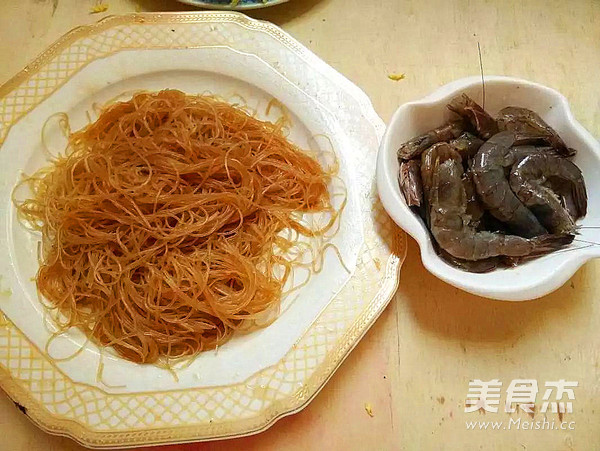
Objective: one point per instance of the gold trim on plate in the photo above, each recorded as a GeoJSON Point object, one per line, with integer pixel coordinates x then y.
{"type": "Point", "coordinates": [97, 418]}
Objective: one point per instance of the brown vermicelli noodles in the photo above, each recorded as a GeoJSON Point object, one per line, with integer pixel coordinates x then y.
{"type": "Point", "coordinates": [161, 223]}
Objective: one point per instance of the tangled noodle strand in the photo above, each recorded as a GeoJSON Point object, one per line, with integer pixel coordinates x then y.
{"type": "Point", "coordinates": [161, 223]}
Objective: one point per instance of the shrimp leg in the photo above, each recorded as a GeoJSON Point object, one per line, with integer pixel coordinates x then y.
{"type": "Point", "coordinates": [410, 182]}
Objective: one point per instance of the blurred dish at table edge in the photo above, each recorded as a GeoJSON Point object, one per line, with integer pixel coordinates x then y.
{"type": "Point", "coordinates": [239, 5]}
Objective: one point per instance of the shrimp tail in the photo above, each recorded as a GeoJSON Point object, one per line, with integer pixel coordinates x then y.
{"type": "Point", "coordinates": [580, 198]}
{"type": "Point", "coordinates": [410, 182]}
{"type": "Point", "coordinates": [547, 244]}
{"type": "Point", "coordinates": [544, 244]}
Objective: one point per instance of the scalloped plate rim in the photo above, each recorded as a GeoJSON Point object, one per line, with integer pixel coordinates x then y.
{"type": "Point", "coordinates": [371, 311]}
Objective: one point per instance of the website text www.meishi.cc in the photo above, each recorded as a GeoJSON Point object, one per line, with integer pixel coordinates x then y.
{"type": "Point", "coordinates": [521, 424]}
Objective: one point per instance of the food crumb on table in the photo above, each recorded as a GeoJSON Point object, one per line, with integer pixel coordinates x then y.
{"type": "Point", "coordinates": [397, 77]}
{"type": "Point", "coordinates": [369, 409]}
{"type": "Point", "coordinates": [99, 7]}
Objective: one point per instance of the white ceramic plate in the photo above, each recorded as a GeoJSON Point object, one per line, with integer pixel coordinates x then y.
{"type": "Point", "coordinates": [532, 279]}
{"type": "Point", "coordinates": [255, 378]}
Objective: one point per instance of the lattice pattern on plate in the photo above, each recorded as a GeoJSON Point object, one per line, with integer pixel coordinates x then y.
{"type": "Point", "coordinates": [98, 418]}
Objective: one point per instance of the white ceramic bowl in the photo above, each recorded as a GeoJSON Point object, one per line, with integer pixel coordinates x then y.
{"type": "Point", "coordinates": [532, 279]}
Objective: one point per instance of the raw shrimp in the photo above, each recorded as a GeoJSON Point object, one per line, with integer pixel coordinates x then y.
{"type": "Point", "coordinates": [439, 153]}
{"type": "Point", "coordinates": [474, 208]}
{"type": "Point", "coordinates": [476, 266]}
{"type": "Point", "coordinates": [436, 153]}
{"type": "Point", "coordinates": [522, 120]}
{"type": "Point", "coordinates": [518, 153]}
{"type": "Point", "coordinates": [466, 145]}
{"type": "Point", "coordinates": [491, 224]}
{"type": "Point", "coordinates": [538, 181]}
{"type": "Point", "coordinates": [452, 229]}
{"type": "Point", "coordinates": [494, 190]}
{"type": "Point", "coordinates": [416, 146]}
{"type": "Point", "coordinates": [484, 124]}
{"type": "Point", "coordinates": [410, 182]}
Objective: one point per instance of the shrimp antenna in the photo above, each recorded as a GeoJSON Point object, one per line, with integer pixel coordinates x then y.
{"type": "Point", "coordinates": [482, 79]}
{"type": "Point", "coordinates": [591, 243]}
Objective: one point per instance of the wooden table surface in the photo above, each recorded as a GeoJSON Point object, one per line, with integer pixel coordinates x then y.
{"type": "Point", "coordinates": [415, 364]}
